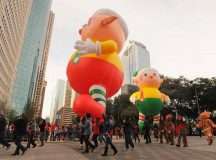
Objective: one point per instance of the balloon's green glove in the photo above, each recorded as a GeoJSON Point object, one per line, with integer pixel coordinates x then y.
{"type": "Point", "coordinates": [75, 57]}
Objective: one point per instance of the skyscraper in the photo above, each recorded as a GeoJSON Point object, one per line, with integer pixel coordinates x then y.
{"type": "Point", "coordinates": [58, 99]}
{"type": "Point", "coordinates": [69, 96]}
{"type": "Point", "coordinates": [39, 92]}
{"type": "Point", "coordinates": [65, 113]}
{"type": "Point", "coordinates": [31, 54]}
{"type": "Point", "coordinates": [65, 116]}
{"type": "Point", "coordinates": [13, 21]}
{"type": "Point", "coordinates": [134, 58]}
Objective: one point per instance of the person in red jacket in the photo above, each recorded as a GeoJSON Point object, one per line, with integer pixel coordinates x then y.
{"type": "Point", "coordinates": [181, 131]}
{"type": "Point", "coordinates": [96, 131]}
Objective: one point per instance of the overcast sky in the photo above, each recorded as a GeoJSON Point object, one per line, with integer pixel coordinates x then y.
{"type": "Point", "coordinates": [179, 34]}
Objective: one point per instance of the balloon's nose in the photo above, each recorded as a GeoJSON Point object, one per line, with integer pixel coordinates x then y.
{"type": "Point", "coordinates": [80, 31]}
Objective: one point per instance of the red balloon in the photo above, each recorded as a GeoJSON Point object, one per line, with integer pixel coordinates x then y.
{"type": "Point", "coordinates": [85, 104]}
{"type": "Point", "coordinates": [92, 71]}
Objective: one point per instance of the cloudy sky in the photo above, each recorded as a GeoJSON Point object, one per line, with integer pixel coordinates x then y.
{"type": "Point", "coordinates": [179, 34]}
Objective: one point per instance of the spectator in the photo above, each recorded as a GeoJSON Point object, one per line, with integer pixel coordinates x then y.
{"type": "Point", "coordinates": [3, 124]}
{"type": "Point", "coordinates": [105, 131]}
{"type": "Point", "coordinates": [127, 127]}
{"type": "Point", "coordinates": [42, 126]}
{"type": "Point", "coordinates": [147, 129]}
{"type": "Point", "coordinates": [30, 135]}
{"type": "Point", "coordinates": [87, 133]}
{"type": "Point", "coordinates": [96, 131]}
{"type": "Point", "coordinates": [20, 130]}
{"type": "Point", "coordinates": [181, 131]}
{"type": "Point", "coordinates": [170, 129]}
{"type": "Point", "coordinates": [136, 133]}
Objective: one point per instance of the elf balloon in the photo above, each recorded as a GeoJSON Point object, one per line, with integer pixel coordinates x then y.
{"type": "Point", "coordinates": [95, 70]}
{"type": "Point", "coordinates": [149, 100]}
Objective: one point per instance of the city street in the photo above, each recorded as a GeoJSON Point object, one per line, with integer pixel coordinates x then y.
{"type": "Point", "coordinates": [198, 150]}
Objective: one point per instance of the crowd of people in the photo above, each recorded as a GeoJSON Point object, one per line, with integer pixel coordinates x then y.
{"type": "Point", "coordinates": [91, 132]}
{"type": "Point", "coordinates": [169, 129]}
{"type": "Point", "coordinates": [95, 131]}
{"type": "Point", "coordinates": [34, 133]}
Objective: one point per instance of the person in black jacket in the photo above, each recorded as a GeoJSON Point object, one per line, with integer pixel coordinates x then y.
{"type": "Point", "coordinates": [147, 129]}
{"type": "Point", "coordinates": [20, 130]}
{"type": "Point", "coordinates": [42, 126]}
{"type": "Point", "coordinates": [105, 129]}
{"type": "Point", "coordinates": [3, 124]}
{"type": "Point", "coordinates": [127, 127]}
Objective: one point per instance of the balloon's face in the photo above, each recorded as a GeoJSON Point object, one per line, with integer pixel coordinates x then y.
{"type": "Point", "coordinates": [102, 28]}
{"type": "Point", "coordinates": [148, 78]}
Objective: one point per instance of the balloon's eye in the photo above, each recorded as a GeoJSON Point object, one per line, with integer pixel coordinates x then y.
{"type": "Point", "coordinates": [145, 74]}
{"type": "Point", "coordinates": [89, 21]}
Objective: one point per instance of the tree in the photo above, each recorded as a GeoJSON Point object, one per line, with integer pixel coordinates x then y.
{"type": "Point", "coordinates": [29, 110]}
{"type": "Point", "coordinates": [11, 115]}
{"type": "Point", "coordinates": [189, 95]}
{"type": "Point", "coordinates": [123, 108]}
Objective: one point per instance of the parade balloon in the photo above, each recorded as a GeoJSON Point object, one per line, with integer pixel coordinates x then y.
{"type": "Point", "coordinates": [207, 126]}
{"type": "Point", "coordinates": [95, 68]}
{"type": "Point", "coordinates": [85, 104]}
{"type": "Point", "coordinates": [148, 100]}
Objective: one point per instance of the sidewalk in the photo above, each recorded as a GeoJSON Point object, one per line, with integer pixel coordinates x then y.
{"type": "Point", "coordinates": [51, 151]}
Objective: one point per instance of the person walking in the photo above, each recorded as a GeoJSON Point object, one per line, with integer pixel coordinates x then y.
{"type": "Point", "coordinates": [170, 129]}
{"type": "Point", "coordinates": [127, 127]}
{"type": "Point", "coordinates": [105, 132]}
{"type": "Point", "coordinates": [162, 131]}
{"type": "Point", "coordinates": [181, 131]}
{"type": "Point", "coordinates": [81, 131]}
{"type": "Point", "coordinates": [3, 124]}
{"type": "Point", "coordinates": [20, 125]}
{"type": "Point", "coordinates": [136, 133]}
{"type": "Point", "coordinates": [156, 131]}
{"type": "Point", "coordinates": [42, 125]}
{"type": "Point", "coordinates": [96, 131]}
{"type": "Point", "coordinates": [30, 134]}
{"type": "Point", "coordinates": [52, 132]}
{"type": "Point", "coordinates": [87, 133]}
{"type": "Point", "coordinates": [147, 129]}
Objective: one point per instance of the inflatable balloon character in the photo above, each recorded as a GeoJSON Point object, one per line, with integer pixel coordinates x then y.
{"type": "Point", "coordinates": [148, 100]}
{"type": "Point", "coordinates": [95, 70]}
{"type": "Point", "coordinates": [207, 125]}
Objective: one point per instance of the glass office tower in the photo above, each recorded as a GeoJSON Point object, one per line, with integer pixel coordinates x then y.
{"type": "Point", "coordinates": [31, 54]}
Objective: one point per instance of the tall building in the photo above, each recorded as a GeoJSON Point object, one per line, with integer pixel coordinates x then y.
{"type": "Point", "coordinates": [58, 99]}
{"type": "Point", "coordinates": [65, 113]}
{"type": "Point", "coordinates": [31, 54]}
{"type": "Point", "coordinates": [39, 92]}
{"type": "Point", "coordinates": [134, 58]}
{"type": "Point", "coordinates": [13, 21]}
{"type": "Point", "coordinates": [69, 96]}
{"type": "Point", "coordinates": [64, 116]}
